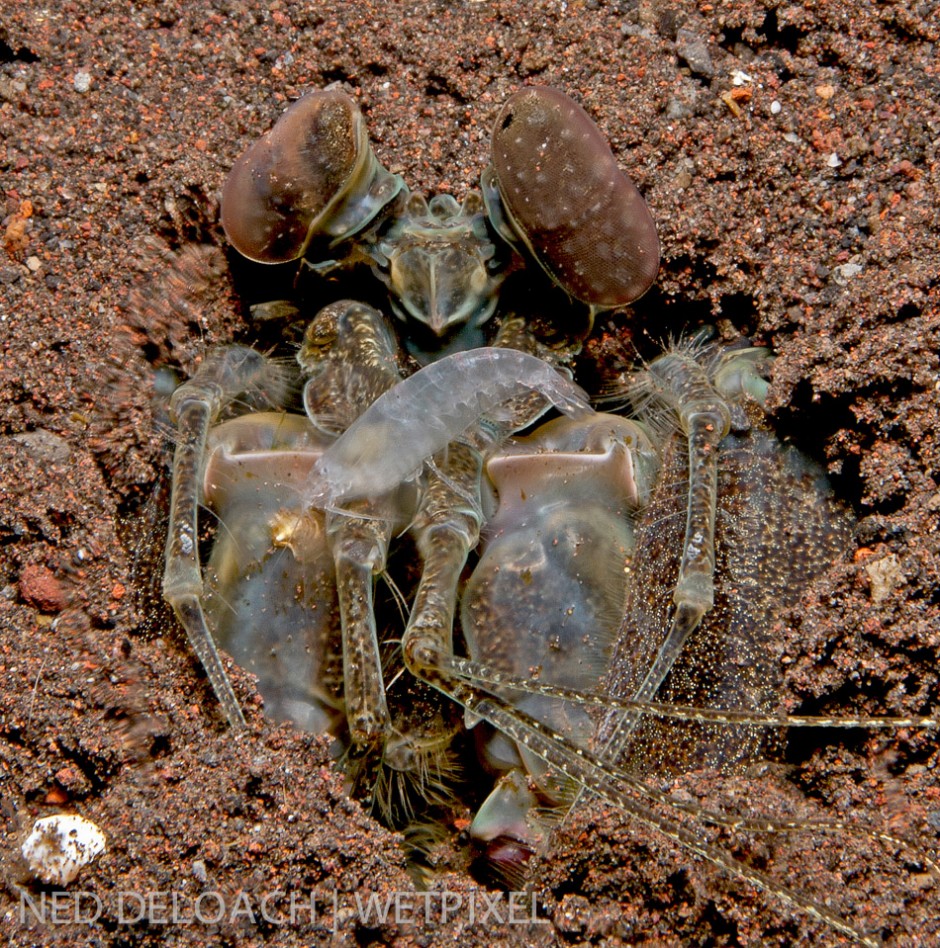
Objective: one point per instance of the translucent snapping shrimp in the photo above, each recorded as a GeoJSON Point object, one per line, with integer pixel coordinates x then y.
{"type": "Point", "coordinates": [390, 442]}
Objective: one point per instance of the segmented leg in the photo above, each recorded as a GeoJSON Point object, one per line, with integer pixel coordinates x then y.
{"type": "Point", "coordinates": [446, 529]}
{"type": "Point", "coordinates": [359, 537]}
{"type": "Point", "coordinates": [679, 391]}
{"type": "Point", "coordinates": [447, 526]}
{"type": "Point", "coordinates": [224, 376]}
{"type": "Point", "coordinates": [352, 360]}
{"type": "Point", "coordinates": [777, 525]}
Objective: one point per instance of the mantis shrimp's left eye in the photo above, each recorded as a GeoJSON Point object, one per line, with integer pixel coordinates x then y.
{"type": "Point", "coordinates": [314, 173]}
{"type": "Point", "coordinates": [554, 185]}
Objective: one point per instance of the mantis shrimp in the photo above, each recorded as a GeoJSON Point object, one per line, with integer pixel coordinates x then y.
{"type": "Point", "coordinates": [412, 433]}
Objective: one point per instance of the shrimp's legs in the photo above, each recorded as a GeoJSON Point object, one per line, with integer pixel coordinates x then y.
{"type": "Point", "coordinates": [698, 394]}
{"type": "Point", "coordinates": [360, 547]}
{"type": "Point", "coordinates": [226, 374]}
{"type": "Point", "coordinates": [447, 526]}
{"type": "Point", "coordinates": [352, 359]}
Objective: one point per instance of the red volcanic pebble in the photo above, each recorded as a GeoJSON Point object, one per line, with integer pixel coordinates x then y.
{"type": "Point", "coordinates": [40, 588]}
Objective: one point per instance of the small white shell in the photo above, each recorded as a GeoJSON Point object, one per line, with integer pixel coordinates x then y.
{"type": "Point", "coordinates": [60, 845]}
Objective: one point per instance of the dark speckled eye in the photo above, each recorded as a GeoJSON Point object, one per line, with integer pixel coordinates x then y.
{"type": "Point", "coordinates": [313, 173]}
{"type": "Point", "coordinates": [563, 195]}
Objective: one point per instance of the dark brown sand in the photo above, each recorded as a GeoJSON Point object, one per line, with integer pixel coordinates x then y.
{"type": "Point", "coordinates": [789, 154]}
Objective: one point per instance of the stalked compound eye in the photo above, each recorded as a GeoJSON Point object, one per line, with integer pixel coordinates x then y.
{"type": "Point", "coordinates": [314, 173]}
{"type": "Point", "coordinates": [555, 185]}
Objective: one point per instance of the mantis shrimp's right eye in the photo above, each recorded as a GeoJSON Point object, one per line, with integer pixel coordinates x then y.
{"type": "Point", "coordinates": [314, 173]}
{"type": "Point", "coordinates": [554, 185]}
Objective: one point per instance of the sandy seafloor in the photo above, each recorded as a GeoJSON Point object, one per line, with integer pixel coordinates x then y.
{"type": "Point", "coordinates": [789, 152]}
